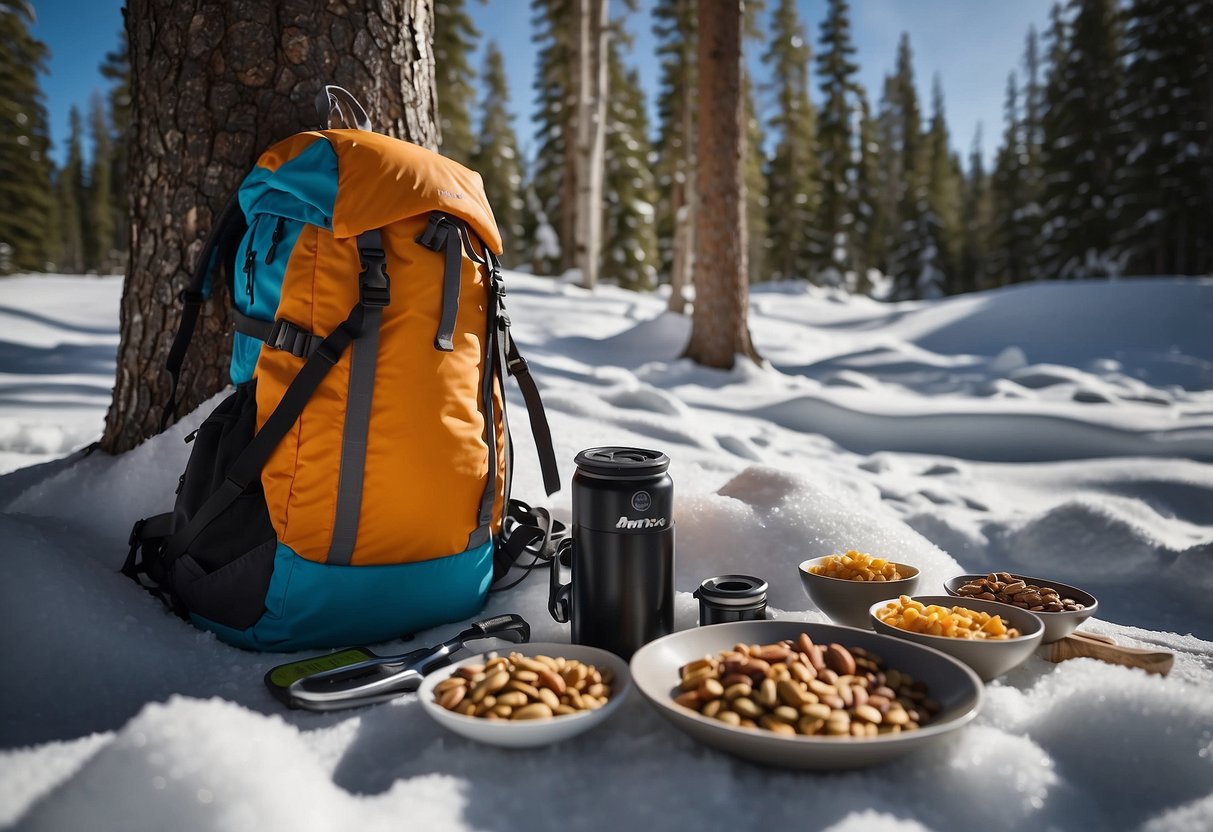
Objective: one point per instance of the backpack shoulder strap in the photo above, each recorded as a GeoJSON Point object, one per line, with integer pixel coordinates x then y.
{"type": "Point", "coordinates": [220, 248]}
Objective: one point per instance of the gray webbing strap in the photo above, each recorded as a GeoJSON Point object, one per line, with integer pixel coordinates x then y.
{"type": "Point", "coordinates": [451, 273]}
{"type": "Point", "coordinates": [484, 517]}
{"type": "Point", "coordinates": [357, 416]}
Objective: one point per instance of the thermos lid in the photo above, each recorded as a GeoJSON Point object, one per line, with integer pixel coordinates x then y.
{"type": "Point", "coordinates": [616, 462]}
{"type": "Point", "coordinates": [732, 590]}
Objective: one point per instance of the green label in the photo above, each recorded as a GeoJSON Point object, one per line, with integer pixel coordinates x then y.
{"type": "Point", "coordinates": [284, 675]}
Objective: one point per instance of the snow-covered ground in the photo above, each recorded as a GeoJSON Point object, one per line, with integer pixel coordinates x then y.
{"type": "Point", "coordinates": [1062, 430]}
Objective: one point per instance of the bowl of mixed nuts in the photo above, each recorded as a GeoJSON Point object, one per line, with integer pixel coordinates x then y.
{"type": "Point", "coordinates": [845, 586]}
{"type": "Point", "coordinates": [989, 637]}
{"type": "Point", "coordinates": [1060, 606]}
{"type": "Point", "coordinates": [804, 695]}
{"type": "Point", "coordinates": [527, 696]}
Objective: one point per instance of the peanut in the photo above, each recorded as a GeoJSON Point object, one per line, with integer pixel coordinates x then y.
{"type": "Point", "coordinates": [517, 687]}
{"type": "Point", "coordinates": [854, 697]}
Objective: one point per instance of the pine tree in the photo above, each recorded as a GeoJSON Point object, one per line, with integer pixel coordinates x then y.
{"type": "Point", "coordinates": [25, 168]}
{"type": "Point", "coordinates": [1167, 115]}
{"type": "Point", "coordinates": [68, 188]}
{"type": "Point", "coordinates": [674, 27]}
{"type": "Point", "coordinates": [939, 270]}
{"type": "Point", "coordinates": [793, 188]}
{"type": "Point", "coordinates": [866, 202]}
{"type": "Point", "coordinates": [835, 135]}
{"type": "Point", "coordinates": [1009, 247]}
{"type": "Point", "coordinates": [1032, 175]}
{"type": "Point", "coordinates": [550, 237]}
{"type": "Point", "coordinates": [911, 237]}
{"type": "Point", "coordinates": [496, 157]}
{"type": "Point", "coordinates": [454, 40]}
{"type": "Point", "coordinates": [889, 177]}
{"type": "Point", "coordinates": [976, 218]}
{"type": "Point", "coordinates": [117, 69]}
{"type": "Point", "coordinates": [1082, 146]}
{"type": "Point", "coordinates": [757, 202]}
{"type": "Point", "coordinates": [98, 211]}
{"type": "Point", "coordinates": [629, 252]}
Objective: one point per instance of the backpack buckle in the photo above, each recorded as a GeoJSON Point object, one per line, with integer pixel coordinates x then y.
{"type": "Point", "coordinates": [374, 286]}
{"type": "Point", "coordinates": [288, 337]}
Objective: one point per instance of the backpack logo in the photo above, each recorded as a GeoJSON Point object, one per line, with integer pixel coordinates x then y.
{"type": "Point", "coordinates": [642, 523]}
{"type": "Point", "coordinates": [449, 194]}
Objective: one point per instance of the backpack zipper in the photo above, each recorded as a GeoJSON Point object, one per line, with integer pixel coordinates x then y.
{"type": "Point", "coordinates": [249, 257]}
{"type": "Point", "coordinates": [279, 229]}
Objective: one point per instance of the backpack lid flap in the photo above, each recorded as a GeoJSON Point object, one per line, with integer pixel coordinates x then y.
{"type": "Point", "coordinates": [355, 181]}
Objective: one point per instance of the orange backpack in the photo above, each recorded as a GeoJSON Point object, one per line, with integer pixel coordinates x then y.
{"type": "Point", "coordinates": [355, 486]}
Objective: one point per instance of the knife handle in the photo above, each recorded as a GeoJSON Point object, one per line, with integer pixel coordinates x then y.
{"type": "Point", "coordinates": [1082, 645]}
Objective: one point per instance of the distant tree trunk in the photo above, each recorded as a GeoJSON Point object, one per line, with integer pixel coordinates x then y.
{"type": "Point", "coordinates": [213, 83]}
{"type": "Point", "coordinates": [682, 266]}
{"type": "Point", "coordinates": [593, 23]}
{"type": "Point", "coordinates": [719, 330]}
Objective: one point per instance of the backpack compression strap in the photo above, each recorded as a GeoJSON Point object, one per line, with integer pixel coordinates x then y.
{"type": "Point", "coordinates": [220, 246]}
{"type": "Point", "coordinates": [375, 291]}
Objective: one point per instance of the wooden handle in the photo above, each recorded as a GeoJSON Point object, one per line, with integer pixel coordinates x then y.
{"type": "Point", "coordinates": [1091, 646]}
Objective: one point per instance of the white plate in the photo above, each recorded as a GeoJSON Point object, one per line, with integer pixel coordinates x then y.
{"type": "Point", "coordinates": [530, 733]}
{"type": "Point", "coordinates": [950, 682]}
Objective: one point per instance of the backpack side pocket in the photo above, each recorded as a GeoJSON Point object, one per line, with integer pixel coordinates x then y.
{"type": "Point", "coordinates": [225, 572]}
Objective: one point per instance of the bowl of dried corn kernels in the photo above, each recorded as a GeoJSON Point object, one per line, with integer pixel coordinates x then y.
{"type": "Point", "coordinates": [845, 586]}
{"type": "Point", "coordinates": [989, 637]}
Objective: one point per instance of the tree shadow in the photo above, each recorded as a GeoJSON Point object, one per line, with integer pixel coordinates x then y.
{"type": "Point", "coordinates": [66, 326]}
{"type": "Point", "coordinates": [59, 359]}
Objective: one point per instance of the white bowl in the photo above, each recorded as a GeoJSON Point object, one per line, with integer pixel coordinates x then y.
{"type": "Point", "coordinates": [951, 683]}
{"type": "Point", "coordinates": [989, 657]}
{"type": "Point", "coordinates": [530, 733]}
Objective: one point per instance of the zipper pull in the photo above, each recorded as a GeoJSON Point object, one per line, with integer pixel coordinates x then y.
{"type": "Point", "coordinates": [189, 437]}
{"type": "Point", "coordinates": [279, 229]}
{"type": "Point", "coordinates": [249, 257]}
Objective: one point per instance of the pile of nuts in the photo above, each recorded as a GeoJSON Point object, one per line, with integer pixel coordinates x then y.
{"type": "Point", "coordinates": [1006, 588]}
{"type": "Point", "coordinates": [524, 687]}
{"type": "Point", "coordinates": [800, 688]}
{"type": "Point", "coordinates": [956, 622]}
{"type": "Point", "coordinates": [857, 566]}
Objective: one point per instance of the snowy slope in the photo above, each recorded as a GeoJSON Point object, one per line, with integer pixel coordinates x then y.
{"type": "Point", "coordinates": [1062, 430]}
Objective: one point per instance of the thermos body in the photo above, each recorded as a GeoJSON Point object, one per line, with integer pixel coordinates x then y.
{"type": "Point", "coordinates": [621, 549]}
{"type": "Point", "coordinates": [622, 593]}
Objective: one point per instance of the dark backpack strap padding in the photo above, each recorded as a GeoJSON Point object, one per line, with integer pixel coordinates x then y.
{"type": "Point", "coordinates": [220, 246]}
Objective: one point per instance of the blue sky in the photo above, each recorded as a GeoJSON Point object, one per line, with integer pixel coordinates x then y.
{"type": "Point", "coordinates": [971, 44]}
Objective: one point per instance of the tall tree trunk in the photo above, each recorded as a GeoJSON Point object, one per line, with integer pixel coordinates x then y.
{"type": "Point", "coordinates": [719, 331]}
{"type": "Point", "coordinates": [213, 83]}
{"type": "Point", "coordinates": [592, 22]}
{"type": "Point", "coordinates": [681, 268]}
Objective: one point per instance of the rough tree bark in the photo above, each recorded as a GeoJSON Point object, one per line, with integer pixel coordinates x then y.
{"type": "Point", "coordinates": [213, 83]}
{"type": "Point", "coordinates": [593, 22]}
{"type": "Point", "coordinates": [719, 330]}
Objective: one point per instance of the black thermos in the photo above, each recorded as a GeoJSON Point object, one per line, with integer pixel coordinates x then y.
{"type": "Point", "coordinates": [621, 551]}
